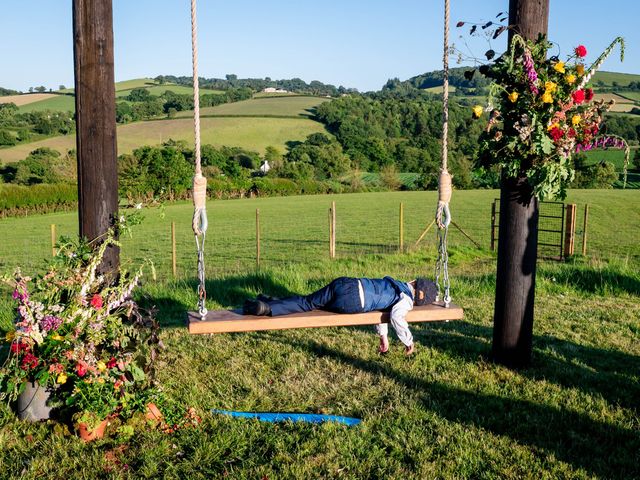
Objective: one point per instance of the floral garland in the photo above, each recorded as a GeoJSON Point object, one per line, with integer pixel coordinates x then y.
{"type": "Point", "coordinates": [540, 113]}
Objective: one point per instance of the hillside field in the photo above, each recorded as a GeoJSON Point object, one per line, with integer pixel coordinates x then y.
{"type": "Point", "coordinates": [623, 79]}
{"type": "Point", "coordinates": [25, 99]}
{"type": "Point", "coordinates": [249, 133]}
{"type": "Point", "coordinates": [297, 106]}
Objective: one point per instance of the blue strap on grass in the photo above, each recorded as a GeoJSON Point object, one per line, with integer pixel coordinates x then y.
{"type": "Point", "coordinates": [291, 417]}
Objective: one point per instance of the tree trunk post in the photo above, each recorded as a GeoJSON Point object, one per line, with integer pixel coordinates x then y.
{"type": "Point", "coordinates": [96, 122]}
{"type": "Point", "coordinates": [518, 232]}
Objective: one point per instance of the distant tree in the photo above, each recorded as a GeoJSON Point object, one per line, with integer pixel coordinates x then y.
{"type": "Point", "coordinates": [30, 89]}
{"type": "Point", "coordinates": [38, 167]}
{"type": "Point", "coordinates": [7, 138]}
{"type": "Point", "coordinates": [8, 110]}
{"type": "Point", "coordinates": [389, 177]}
{"type": "Point", "coordinates": [41, 89]}
{"type": "Point", "coordinates": [636, 159]}
{"type": "Point", "coordinates": [61, 87]}
{"type": "Point", "coordinates": [139, 95]}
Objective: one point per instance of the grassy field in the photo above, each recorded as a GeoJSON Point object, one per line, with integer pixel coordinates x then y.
{"type": "Point", "coordinates": [448, 412]}
{"type": "Point", "coordinates": [608, 78]}
{"type": "Point", "coordinates": [612, 156]}
{"type": "Point", "coordinates": [634, 96]}
{"type": "Point", "coordinates": [300, 106]}
{"type": "Point", "coordinates": [62, 103]}
{"type": "Point", "coordinates": [160, 89]}
{"type": "Point", "coordinates": [250, 133]}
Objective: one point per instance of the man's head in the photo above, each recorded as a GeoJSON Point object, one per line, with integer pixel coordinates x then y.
{"type": "Point", "coordinates": [426, 291]}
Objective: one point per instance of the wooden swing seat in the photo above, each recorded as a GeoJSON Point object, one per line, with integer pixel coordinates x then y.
{"type": "Point", "coordinates": [228, 321]}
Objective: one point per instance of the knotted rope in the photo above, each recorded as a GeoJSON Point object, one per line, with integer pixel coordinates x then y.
{"type": "Point", "coordinates": [200, 222]}
{"type": "Point", "coordinates": [443, 215]}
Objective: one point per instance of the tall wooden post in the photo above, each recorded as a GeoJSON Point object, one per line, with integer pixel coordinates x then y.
{"type": "Point", "coordinates": [518, 234]}
{"type": "Point", "coordinates": [570, 230]}
{"type": "Point", "coordinates": [95, 122]}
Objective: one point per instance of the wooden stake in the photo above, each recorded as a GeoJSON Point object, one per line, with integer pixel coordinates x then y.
{"type": "Point", "coordinates": [584, 230]}
{"type": "Point", "coordinates": [493, 226]}
{"type": "Point", "coordinates": [53, 239]}
{"type": "Point", "coordinates": [465, 234]}
{"type": "Point", "coordinates": [257, 238]}
{"type": "Point", "coordinates": [333, 229]}
{"type": "Point", "coordinates": [424, 233]}
{"type": "Point", "coordinates": [174, 260]}
{"type": "Point", "coordinates": [401, 244]}
{"type": "Point", "coordinates": [570, 230]}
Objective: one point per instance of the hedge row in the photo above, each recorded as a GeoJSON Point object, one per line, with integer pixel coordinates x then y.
{"type": "Point", "coordinates": [42, 198]}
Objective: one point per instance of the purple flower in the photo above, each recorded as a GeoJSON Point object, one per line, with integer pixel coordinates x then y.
{"type": "Point", "coordinates": [50, 323]}
{"type": "Point", "coordinates": [532, 75]}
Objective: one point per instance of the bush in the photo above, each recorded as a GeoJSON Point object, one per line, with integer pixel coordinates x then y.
{"type": "Point", "coordinates": [7, 138]}
{"type": "Point", "coordinates": [18, 199]}
{"type": "Point", "coordinates": [275, 187]}
{"type": "Point", "coordinates": [599, 175]}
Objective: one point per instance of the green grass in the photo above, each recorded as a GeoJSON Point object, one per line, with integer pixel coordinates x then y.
{"type": "Point", "coordinates": [446, 413]}
{"type": "Point", "coordinates": [250, 133]}
{"type": "Point", "coordinates": [608, 78]}
{"type": "Point", "coordinates": [135, 83]}
{"type": "Point", "coordinates": [635, 96]}
{"type": "Point", "coordinates": [158, 90]}
{"type": "Point", "coordinates": [63, 103]}
{"type": "Point", "coordinates": [612, 156]}
{"type": "Point", "coordinates": [297, 106]}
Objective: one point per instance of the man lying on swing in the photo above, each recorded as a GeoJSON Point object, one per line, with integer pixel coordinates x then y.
{"type": "Point", "coordinates": [357, 295]}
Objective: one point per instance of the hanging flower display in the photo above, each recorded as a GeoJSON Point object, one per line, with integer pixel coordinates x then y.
{"type": "Point", "coordinates": [541, 112]}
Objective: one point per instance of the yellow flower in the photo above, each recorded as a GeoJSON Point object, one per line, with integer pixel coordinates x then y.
{"type": "Point", "coordinates": [477, 111]}
{"type": "Point", "coordinates": [10, 336]}
{"type": "Point", "coordinates": [552, 126]}
{"type": "Point", "coordinates": [100, 380]}
{"type": "Point", "coordinates": [550, 86]}
{"type": "Point", "coordinates": [101, 366]}
{"type": "Point", "coordinates": [559, 67]}
{"type": "Point", "coordinates": [580, 69]}
{"type": "Point", "coordinates": [57, 337]}
{"type": "Point", "coordinates": [513, 96]}
{"type": "Point", "coordinates": [546, 97]}
{"type": "Point", "coordinates": [576, 119]}
{"type": "Point", "coordinates": [570, 78]}
{"type": "Point", "coordinates": [62, 378]}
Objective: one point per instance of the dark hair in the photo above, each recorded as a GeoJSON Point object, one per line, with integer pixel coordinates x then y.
{"type": "Point", "coordinates": [426, 292]}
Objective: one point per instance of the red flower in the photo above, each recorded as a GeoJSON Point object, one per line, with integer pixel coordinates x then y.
{"type": "Point", "coordinates": [81, 368]}
{"type": "Point", "coordinates": [29, 361]}
{"type": "Point", "coordinates": [556, 133]}
{"type": "Point", "coordinates": [111, 363]}
{"type": "Point", "coordinates": [595, 129]}
{"type": "Point", "coordinates": [588, 94]}
{"type": "Point", "coordinates": [571, 133]}
{"type": "Point", "coordinates": [19, 347]}
{"type": "Point", "coordinates": [96, 302]}
{"type": "Point", "coordinates": [581, 51]}
{"type": "Point", "coordinates": [578, 96]}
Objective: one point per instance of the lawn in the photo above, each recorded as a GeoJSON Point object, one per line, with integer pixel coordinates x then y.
{"type": "Point", "coordinates": [448, 412]}
{"type": "Point", "coordinates": [250, 133]}
{"type": "Point", "coordinates": [296, 106]}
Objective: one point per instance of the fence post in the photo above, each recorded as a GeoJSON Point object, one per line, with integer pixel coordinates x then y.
{"type": "Point", "coordinates": [333, 229]}
{"type": "Point", "coordinates": [53, 239]}
{"type": "Point", "coordinates": [174, 260]}
{"type": "Point", "coordinates": [570, 230]}
{"type": "Point", "coordinates": [584, 230]}
{"type": "Point", "coordinates": [401, 227]}
{"type": "Point", "coordinates": [493, 226]}
{"type": "Point", "coordinates": [257, 238]}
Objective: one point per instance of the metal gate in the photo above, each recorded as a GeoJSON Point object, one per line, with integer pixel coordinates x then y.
{"type": "Point", "coordinates": [550, 228]}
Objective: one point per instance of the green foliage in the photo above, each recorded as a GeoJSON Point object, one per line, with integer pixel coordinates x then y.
{"type": "Point", "coordinates": [7, 138]}
{"type": "Point", "coordinates": [599, 175]}
{"type": "Point", "coordinates": [19, 199]}
{"type": "Point", "coordinates": [38, 167]}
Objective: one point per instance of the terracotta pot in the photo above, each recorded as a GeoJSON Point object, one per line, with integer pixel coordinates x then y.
{"type": "Point", "coordinates": [32, 403]}
{"type": "Point", "coordinates": [90, 435]}
{"type": "Point", "coordinates": [153, 413]}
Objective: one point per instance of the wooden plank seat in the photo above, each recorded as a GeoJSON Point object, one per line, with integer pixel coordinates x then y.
{"type": "Point", "coordinates": [227, 321]}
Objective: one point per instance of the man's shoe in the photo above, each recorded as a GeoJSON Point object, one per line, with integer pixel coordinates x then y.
{"type": "Point", "coordinates": [256, 307]}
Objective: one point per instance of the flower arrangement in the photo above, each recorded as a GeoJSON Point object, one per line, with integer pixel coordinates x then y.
{"type": "Point", "coordinates": [81, 336]}
{"type": "Point", "coordinates": [541, 111]}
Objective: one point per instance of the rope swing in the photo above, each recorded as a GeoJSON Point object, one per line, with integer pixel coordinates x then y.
{"type": "Point", "coordinates": [200, 222]}
{"type": "Point", "coordinates": [443, 214]}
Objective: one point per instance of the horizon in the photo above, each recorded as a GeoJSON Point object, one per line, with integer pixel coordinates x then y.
{"type": "Point", "coordinates": [359, 45]}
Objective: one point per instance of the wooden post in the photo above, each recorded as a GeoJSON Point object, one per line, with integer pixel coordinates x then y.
{"type": "Point", "coordinates": [96, 122]}
{"type": "Point", "coordinates": [518, 231]}
{"type": "Point", "coordinates": [332, 230]}
{"type": "Point", "coordinates": [584, 230]}
{"type": "Point", "coordinates": [257, 237]}
{"type": "Point", "coordinates": [493, 226]}
{"type": "Point", "coordinates": [53, 239]}
{"type": "Point", "coordinates": [424, 232]}
{"type": "Point", "coordinates": [570, 230]}
{"type": "Point", "coordinates": [174, 260]}
{"type": "Point", "coordinates": [401, 243]}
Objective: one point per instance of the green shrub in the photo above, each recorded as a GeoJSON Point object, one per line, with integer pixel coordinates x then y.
{"type": "Point", "coordinates": [275, 187]}
{"type": "Point", "coordinates": [41, 198]}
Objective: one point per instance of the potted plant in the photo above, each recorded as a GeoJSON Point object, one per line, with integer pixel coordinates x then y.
{"type": "Point", "coordinates": [80, 336]}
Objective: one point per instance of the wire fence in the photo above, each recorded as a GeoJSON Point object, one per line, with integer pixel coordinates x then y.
{"type": "Point", "coordinates": [278, 231]}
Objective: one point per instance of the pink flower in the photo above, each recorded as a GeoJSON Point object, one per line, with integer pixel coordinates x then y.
{"type": "Point", "coordinates": [81, 368]}
{"type": "Point", "coordinates": [29, 361]}
{"type": "Point", "coordinates": [96, 301]}
{"type": "Point", "coordinates": [111, 363]}
{"type": "Point", "coordinates": [581, 51]}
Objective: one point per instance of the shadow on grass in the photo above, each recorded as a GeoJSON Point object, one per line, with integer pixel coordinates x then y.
{"type": "Point", "coordinates": [230, 290]}
{"type": "Point", "coordinates": [592, 280]}
{"type": "Point", "coordinates": [601, 449]}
